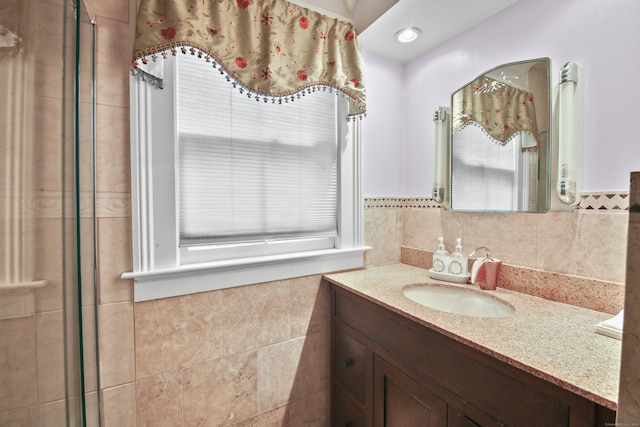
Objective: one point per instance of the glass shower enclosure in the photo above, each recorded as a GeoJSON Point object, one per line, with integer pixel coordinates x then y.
{"type": "Point", "coordinates": [48, 351]}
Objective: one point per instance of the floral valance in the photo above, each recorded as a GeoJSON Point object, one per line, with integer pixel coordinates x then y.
{"type": "Point", "coordinates": [500, 109]}
{"type": "Point", "coordinates": [272, 48]}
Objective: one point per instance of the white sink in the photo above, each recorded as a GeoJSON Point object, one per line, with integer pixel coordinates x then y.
{"type": "Point", "coordinates": [458, 300]}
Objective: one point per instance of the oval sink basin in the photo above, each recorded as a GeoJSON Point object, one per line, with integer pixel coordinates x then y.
{"type": "Point", "coordinates": [457, 300]}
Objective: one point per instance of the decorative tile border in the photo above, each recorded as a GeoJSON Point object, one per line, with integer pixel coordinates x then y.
{"type": "Point", "coordinates": [594, 201]}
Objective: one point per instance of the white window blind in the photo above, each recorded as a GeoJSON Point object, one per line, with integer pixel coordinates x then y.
{"type": "Point", "coordinates": [250, 170]}
{"type": "Point", "coordinates": [476, 186]}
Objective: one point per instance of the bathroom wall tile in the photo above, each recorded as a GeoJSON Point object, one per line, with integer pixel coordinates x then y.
{"type": "Point", "coordinates": [629, 391]}
{"type": "Point", "coordinates": [309, 306]}
{"type": "Point", "coordinates": [255, 316]}
{"type": "Point", "coordinates": [113, 53]}
{"type": "Point", "coordinates": [312, 411]}
{"type": "Point", "coordinates": [383, 232]}
{"type": "Point", "coordinates": [46, 265]}
{"type": "Point", "coordinates": [421, 228]}
{"type": "Point", "coordinates": [16, 418]}
{"type": "Point", "coordinates": [48, 144]}
{"type": "Point", "coordinates": [89, 338]}
{"type": "Point", "coordinates": [221, 392]}
{"type": "Point", "coordinates": [116, 344]}
{"type": "Point", "coordinates": [114, 258]}
{"type": "Point", "coordinates": [511, 238]}
{"type": "Point", "coordinates": [114, 9]}
{"type": "Point", "coordinates": [51, 365]}
{"type": "Point", "coordinates": [52, 414]}
{"type": "Point", "coordinates": [87, 264]}
{"type": "Point", "coordinates": [288, 371]}
{"type": "Point", "coordinates": [18, 376]}
{"type": "Point", "coordinates": [278, 417]}
{"type": "Point", "coordinates": [45, 29]}
{"type": "Point", "coordinates": [119, 406]}
{"type": "Point", "coordinates": [113, 170]}
{"type": "Point", "coordinates": [113, 205]}
{"type": "Point", "coordinates": [159, 400]}
{"type": "Point", "coordinates": [585, 244]}
{"type": "Point", "coordinates": [174, 333]}
{"type": "Point", "coordinates": [92, 409]}
{"type": "Point", "coordinates": [452, 226]}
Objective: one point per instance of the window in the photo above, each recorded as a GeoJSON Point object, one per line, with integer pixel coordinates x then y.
{"type": "Point", "coordinates": [231, 189]}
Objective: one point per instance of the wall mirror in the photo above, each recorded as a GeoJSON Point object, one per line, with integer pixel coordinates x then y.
{"type": "Point", "coordinates": [500, 140]}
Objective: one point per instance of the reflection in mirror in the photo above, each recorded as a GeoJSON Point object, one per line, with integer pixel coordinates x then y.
{"type": "Point", "coordinates": [500, 140]}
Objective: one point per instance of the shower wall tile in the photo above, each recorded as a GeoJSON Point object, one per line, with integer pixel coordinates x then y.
{"type": "Point", "coordinates": [113, 53]}
{"type": "Point", "coordinates": [18, 385]}
{"type": "Point", "coordinates": [48, 147]}
{"type": "Point", "coordinates": [114, 258]}
{"type": "Point", "coordinates": [113, 205]}
{"type": "Point", "coordinates": [116, 344]}
{"type": "Point", "coordinates": [114, 9]}
{"type": "Point", "coordinates": [119, 406]}
{"type": "Point", "coordinates": [177, 332]}
{"type": "Point", "coordinates": [160, 400]}
{"type": "Point", "coordinates": [221, 392]}
{"type": "Point", "coordinates": [48, 47]}
{"type": "Point", "coordinates": [50, 358]}
{"type": "Point", "coordinates": [113, 169]}
{"type": "Point", "coordinates": [52, 414]}
{"type": "Point", "coordinates": [383, 232]}
{"type": "Point", "coordinates": [309, 306]}
{"type": "Point", "coordinates": [255, 316]}
{"type": "Point", "coordinates": [18, 418]}
{"type": "Point", "coordinates": [89, 336]}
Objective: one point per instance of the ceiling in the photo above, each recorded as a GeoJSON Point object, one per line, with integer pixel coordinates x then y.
{"type": "Point", "coordinates": [437, 20]}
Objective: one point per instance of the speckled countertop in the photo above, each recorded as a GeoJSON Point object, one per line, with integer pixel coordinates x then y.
{"type": "Point", "coordinates": [551, 340]}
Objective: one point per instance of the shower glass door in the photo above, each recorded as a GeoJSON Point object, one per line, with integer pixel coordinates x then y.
{"type": "Point", "coordinates": [48, 369]}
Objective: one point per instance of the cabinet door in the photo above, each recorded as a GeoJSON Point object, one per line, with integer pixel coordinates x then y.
{"type": "Point", "coordinates": [345, 412]}
{"type": "Point", "coordinates": [398, 401]}
{"type": "Point", "coordinates": [471, 418]}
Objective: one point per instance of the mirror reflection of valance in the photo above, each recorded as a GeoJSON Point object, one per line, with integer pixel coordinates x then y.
{"type": "Point", "coordinates": [10, 43]}
{"type": "Point", "coordinates": [271, 48]}
{"type": "Point", "coordinates": [500, 109]}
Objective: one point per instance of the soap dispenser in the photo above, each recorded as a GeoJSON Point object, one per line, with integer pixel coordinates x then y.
{"type": "Point", "coordinates": [459, 265]}
{"type": "Point", "coordinates": [441, 258]}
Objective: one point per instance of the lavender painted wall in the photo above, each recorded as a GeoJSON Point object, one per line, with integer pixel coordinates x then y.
{"type": "Point", "coordinates": [602, 35]}
{"type": "Point", "coordinates": [383, 130]}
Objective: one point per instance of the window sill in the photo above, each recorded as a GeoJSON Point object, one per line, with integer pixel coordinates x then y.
{"type": "Point", "coordinates": [193, 278]}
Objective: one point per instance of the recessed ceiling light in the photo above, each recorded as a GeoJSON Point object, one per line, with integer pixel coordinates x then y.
{"type": "Point", "coordinates": [408, 35]}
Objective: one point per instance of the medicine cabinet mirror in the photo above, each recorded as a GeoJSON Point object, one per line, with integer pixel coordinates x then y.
{"type": "Point", "coordinates": [500, 140]}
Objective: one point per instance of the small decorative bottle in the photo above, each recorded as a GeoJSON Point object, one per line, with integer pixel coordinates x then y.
{"type": "Point", "coordinates": [441, 258]}
{"type": "Point", "coordinates": [459, 265]}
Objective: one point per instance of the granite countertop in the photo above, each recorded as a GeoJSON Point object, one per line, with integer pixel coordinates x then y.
{"type": "Point", "coordinates": [554, 341]}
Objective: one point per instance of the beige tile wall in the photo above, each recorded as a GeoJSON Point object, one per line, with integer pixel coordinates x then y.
{"type": "Point", "coordinates": [589, 244]}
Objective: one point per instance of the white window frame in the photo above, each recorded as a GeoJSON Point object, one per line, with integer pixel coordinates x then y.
{"type": "Point", "coordinates": [158, 271]}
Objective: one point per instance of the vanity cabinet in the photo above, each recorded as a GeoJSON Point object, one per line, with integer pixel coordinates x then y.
{"type": "Point", "coordinates": [388, 370]}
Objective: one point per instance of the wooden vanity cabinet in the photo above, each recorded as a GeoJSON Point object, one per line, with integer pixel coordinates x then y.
{"type": "Point", "coordinates": [390, 371]}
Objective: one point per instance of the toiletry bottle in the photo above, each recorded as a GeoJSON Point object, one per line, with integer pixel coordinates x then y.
{"type": "Point", "coordinates": [441, 258]}
{"type": "Point", "coordinates": [459, 265]}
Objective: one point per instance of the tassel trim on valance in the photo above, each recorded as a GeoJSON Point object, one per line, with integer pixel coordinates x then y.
{"type": "Point", "coordinates": [271, 49]}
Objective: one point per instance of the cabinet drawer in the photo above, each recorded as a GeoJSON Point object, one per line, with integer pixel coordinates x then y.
{"type": "Point", "coordinates": [349, 358]}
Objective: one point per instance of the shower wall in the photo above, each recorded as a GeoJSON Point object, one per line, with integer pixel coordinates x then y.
{"type": "Point", "coordinates": [41, 112]}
